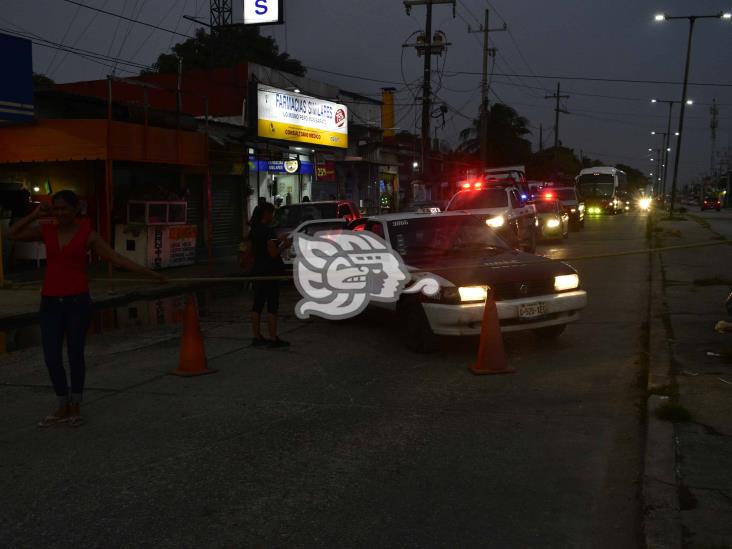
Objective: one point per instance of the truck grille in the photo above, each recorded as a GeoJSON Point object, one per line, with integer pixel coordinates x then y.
{"type": "Point", "coordinates": [518, 290]}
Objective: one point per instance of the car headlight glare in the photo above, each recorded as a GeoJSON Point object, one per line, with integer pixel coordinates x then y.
{"type": "Point", "coordinates": [566, 282]}
{"type": "Point", "coordinates": [581, 207]}
{"type": "Point", "coordinates": [573, 210]}
{"type": "Point", "coordinates": [553, 223]}
{"type": "Point", "coordinates": [473, 293]}
{"type": "Point", "coordinates": [495, 222]}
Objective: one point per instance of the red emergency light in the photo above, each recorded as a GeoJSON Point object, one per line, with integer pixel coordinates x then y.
{"type": "Point", "coordinates": [548, 196]}
{"type": "Point", "coordinates": [476, 185]}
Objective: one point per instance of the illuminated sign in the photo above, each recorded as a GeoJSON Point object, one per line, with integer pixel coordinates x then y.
{"type": "Point", "coordinates": [292, 116]}
{"type": "Point", "coordinates": [263, 12]}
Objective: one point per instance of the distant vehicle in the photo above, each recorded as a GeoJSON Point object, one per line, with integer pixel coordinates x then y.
{"type": "Point", "coordinates": [531, 292]}
{"type": "Point", "coordinates": [291, 216]}
{"type": "Point", "coordinates": [711, 203]}
{"type": "Point", "coordinates": [601, 189]}
{"type": "Point", "coordinates": [553, 220]}
{"type": "Point", "coordinates": [571, 203]}
{"type": "Point", "coordinates": [500, 206]}
{"type": "Point", "coordinates": [426, 206]}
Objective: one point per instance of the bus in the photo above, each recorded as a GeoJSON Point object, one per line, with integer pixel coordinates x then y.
{"type": "Point", "coordinates": [602, 189]}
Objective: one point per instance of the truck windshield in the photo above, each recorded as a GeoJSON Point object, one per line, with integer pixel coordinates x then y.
{"type": "Point", "coordinates": [477, 200]}
{"type": "Point", "coordinates": [596, 185]}
{"type": "Point", "coordinates": [441, 236]}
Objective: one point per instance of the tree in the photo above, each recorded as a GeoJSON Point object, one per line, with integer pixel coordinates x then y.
{"type": "Point", "coordinates": [42, 81]}
{"type": "Point", "coordinates": [636, 179]}
{"type": "Point", "coordinates": [227, 47]}
{"type": "Point", "coordinates": [506, 131]}
{"type": "Point", "coordinates": [560, 164]}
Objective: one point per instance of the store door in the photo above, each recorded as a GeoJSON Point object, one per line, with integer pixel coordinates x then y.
{"type": "Point", "coordinates": [226, 215]}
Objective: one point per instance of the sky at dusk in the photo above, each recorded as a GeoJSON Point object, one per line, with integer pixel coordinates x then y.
{"type": "Point", "coordinates": [596, 38]}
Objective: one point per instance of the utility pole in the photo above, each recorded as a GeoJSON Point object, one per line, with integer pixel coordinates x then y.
{"type": "Point", "coordinates": [541, 136]}
{"type": "Point", "coordinates": [713, 125]}
{"type": "Point", "coordinates": [557, 110]}
{"type": "Point", "coordinates": [485, 84]}
{"type": "Point", "coordinates": [428, 46]}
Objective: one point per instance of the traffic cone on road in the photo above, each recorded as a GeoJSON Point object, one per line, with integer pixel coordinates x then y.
{"type": "Point", "coordinates": [192, 353]}
{"type": "Point", "coordinates": [491, 356]}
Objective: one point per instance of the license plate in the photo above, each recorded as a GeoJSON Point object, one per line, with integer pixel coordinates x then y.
{"type": "Point", "coordinates": [529, 311]}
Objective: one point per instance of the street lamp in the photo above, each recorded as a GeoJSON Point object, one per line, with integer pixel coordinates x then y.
{"type": "Point", "coordinates": [670, 103]}
{"type": "Point", "coordinates": [692, 20]}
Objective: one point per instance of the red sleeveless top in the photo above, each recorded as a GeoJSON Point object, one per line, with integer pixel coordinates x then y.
{"type": "Point", "coordinates": [65, 267]}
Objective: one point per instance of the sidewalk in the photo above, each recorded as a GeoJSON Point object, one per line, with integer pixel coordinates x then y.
{"type": "Point", "coordinates": [19, 301]}
{"type": "Point", "coordinates": [694, 284]}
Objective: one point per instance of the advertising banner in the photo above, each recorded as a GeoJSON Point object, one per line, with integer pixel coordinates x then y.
{"type": "Point", "coordinates": [16, 75]}
{"type": "Point", "coordinates": [326, 171]}
{"type": "Point", "coordinates": [295, 117]}
{"type": "Point", "coordinates": [263, 12]}
{"type": "Point", "coordinates": [171, 246]}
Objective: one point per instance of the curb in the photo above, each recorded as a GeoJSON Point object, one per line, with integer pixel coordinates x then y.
{"type": "Point", "coordinates": [661, 509]}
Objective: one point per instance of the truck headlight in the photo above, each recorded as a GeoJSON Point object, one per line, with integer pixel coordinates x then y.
{"type": "Point", "coordinates": [495, 222]}
{"type": "Point", "coordinates": [473, 293]}
{"type": "Point", "coordinates": [553, 223]}
{"type": "Point", "coordinates": [566, 282]}
{"type": "Point", "coordinates": [573, 210]}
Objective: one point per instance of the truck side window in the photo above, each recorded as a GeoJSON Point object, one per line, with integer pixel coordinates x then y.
{"type": "Point", "coordinates": [515, 201]}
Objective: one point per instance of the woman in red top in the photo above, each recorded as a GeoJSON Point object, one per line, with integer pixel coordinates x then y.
{"type": "Point", "coordinates": [65, 302]}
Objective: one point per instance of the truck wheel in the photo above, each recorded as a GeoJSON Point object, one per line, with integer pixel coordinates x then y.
{"type": "Point", "coordinates": [550, 332]}
{"type": "Point", "coordinates": [420, 337]}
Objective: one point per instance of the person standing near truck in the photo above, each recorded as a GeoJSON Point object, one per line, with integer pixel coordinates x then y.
{"type": "Point", "coordinates": [66, 305]}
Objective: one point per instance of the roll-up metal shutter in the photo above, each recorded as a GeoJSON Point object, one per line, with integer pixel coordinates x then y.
{"type": "Point", "coordinates": [226, 215]}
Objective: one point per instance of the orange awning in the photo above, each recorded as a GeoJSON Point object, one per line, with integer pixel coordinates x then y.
{"type": "Point", "coordinates": [67, 140]}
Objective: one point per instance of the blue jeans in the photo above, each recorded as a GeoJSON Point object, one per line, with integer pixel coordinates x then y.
{"type": "Point", "coordinates": [65, 318]}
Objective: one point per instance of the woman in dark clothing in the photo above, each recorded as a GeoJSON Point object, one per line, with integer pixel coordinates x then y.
{"type": "Point", "coordinates": [65, 301]}
{"type": "Point", "coordinates": [267, 262]}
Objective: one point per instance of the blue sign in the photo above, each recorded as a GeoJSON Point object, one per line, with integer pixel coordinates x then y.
{"type": "Point", "coordinates": [281, 166]}
{"type": "Point", "coordinates": [16, 79]}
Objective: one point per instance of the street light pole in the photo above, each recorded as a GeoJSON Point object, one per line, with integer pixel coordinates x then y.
{"type": "Point", "coordinates": [692, 21]}
{"type": "Point", "coordinates": [665, 149]}
{"type": "Point", "coordinates": [677, 156]}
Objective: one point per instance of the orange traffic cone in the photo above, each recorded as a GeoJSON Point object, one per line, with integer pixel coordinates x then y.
{"type": "Point", "coordinates": [192, 353]}
{"type": "Point", "coordinates": [491, 356]}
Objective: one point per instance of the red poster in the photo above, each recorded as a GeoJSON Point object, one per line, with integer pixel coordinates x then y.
{"type": "Point", "coordinates": [325, 171]}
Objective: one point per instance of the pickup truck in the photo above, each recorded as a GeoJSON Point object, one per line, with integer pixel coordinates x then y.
{"type": "Point", "coordinates": [503, 209]}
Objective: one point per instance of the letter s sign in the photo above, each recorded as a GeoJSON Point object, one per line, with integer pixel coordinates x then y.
{"type": "Point", "coordinates": [262, 12]}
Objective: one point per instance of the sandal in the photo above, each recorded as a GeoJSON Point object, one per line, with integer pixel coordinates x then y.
{"type": "Point", "coordinates": [61, 416]}
{"type": "Point", "coordinates": [75, 419]}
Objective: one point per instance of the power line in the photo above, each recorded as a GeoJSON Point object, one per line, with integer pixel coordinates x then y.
{"type": "Point", "coordinates": [125, 18]}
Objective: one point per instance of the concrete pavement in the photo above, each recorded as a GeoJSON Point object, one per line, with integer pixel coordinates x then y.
{"type": "Point", "coordinates": [346, 439]}
{"type": "Point", "coordinates": [695, 284]}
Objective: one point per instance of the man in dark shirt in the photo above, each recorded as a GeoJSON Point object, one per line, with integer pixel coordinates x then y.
{"type": "Point", "coordinates": [267, 262]}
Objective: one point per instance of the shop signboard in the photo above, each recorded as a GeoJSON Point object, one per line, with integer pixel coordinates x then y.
{"type": "Point", "coordinates": [263, 12]}
{"type": "Point", "coordinates": [290, 116]}
{"type": "Point", "coordinates": [301, 167]}
{"type": "Point", "coordinates": [16, 75]}
{"type": "Point", "coordinates": [171, 246]}
{"type": "Point", "coordinates": [326, 171]}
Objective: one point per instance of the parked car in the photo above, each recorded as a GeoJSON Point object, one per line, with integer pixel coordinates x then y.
{"type": "Point", "coordinates": [553, 219]}
{"type": "Point", "coordinates": [711, 203]}
{"type": "Point", "coordinates": [531, 292]}
{"type": "Point", "coordinates": [425, 206]}
{"type": "Point", "coordinates": [571, 203]}
{"type": "Point", "coordinates": [287, 218]}
{"type": "Point", "coordinates": [500, 206]}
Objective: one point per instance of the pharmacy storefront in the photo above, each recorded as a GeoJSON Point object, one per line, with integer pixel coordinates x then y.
{"type": "Point", "coordinates": [295, 132]}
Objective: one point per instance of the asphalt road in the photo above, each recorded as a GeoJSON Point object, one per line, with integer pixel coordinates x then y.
{"type": "Point", "coordinates": [346, 440]}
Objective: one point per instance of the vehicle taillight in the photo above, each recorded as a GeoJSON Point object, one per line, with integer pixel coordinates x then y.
{"type": "Point", "coordinates": [548, 196]}
{"type": "Point", "coordinates": [466, 186]}
{"type": "Point", "coordinates": [478, 185]}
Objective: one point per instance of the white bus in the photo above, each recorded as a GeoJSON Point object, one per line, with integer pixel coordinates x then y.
{"type": "Point", "coordinates": [602, 189]}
